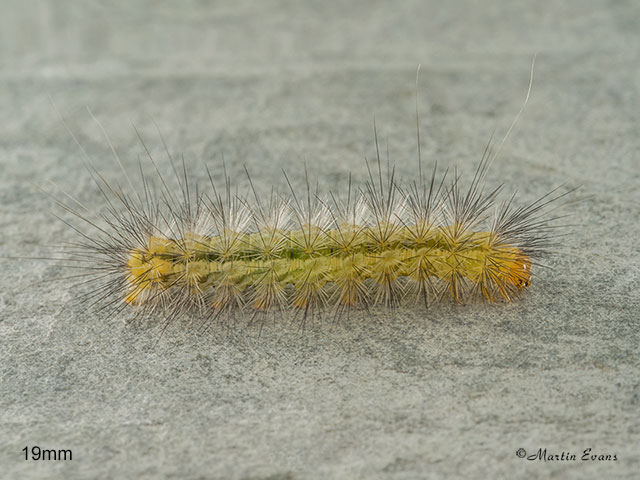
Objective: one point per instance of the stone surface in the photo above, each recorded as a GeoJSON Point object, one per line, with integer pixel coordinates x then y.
{"type": "Point", "coordinates": [453, 392]}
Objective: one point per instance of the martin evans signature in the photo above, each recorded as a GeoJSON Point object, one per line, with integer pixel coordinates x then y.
{"type": "Point", "coordinates": [587, 455]}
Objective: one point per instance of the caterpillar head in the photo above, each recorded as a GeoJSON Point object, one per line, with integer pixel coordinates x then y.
{"type": "Point", "coordinates": [518, 271]}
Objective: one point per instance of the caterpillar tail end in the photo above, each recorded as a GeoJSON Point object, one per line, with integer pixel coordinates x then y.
{"type": "Point", "coordinates": [146, 271]}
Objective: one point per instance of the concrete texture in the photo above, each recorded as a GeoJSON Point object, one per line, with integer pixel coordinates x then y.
{"type": "Point", "coordinates": [451, 393]}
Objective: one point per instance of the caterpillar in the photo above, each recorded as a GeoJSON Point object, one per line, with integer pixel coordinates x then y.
{"type": "Point", "coordinates": [210, 251]}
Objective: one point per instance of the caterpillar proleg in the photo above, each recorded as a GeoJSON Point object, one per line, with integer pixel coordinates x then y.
{"type": "Point", "coordinates": [388, 242]}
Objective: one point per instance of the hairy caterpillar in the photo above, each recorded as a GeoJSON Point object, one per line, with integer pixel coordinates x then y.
{"type": "Point", "coordinates": [213, 251]}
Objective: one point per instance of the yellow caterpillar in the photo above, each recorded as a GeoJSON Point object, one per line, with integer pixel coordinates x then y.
{"type": "Point", "coordinates": [202, 251]}
{"type": "Point", "coordinates": [351, 264]}
{"type": "Point", "coordinates": [422, 240]}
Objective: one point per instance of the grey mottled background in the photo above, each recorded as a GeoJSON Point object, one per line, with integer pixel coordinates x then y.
{"type": "Point", "coordinates": [451, 393]}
